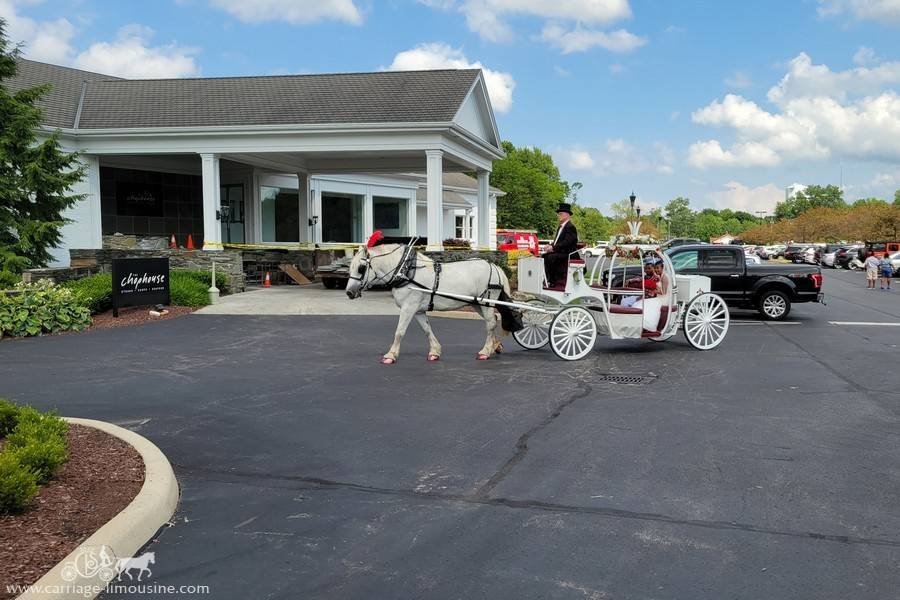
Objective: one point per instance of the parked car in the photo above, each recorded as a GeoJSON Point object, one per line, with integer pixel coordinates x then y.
{"type": "Point", "coordinates": [517, 239]}
{"type": "Point", "coordinates": [775, 251]}
{"type": "Point", "coordinates": [828, 254]}
{"type": "Point", "coordinates": [680, 242]}
{"type": "Point", "coordinates": [794, 251]}
{"type": "Point", "coordinates": [879, 249]}
{"type": "Point", "coordinates": [771, 289]}
{"type": "Point", "coordinates": [845, 255]}
{"type": "Point", "coordinates": [752, 259]}
{"type": "Point", "coordinates": [598, 249]}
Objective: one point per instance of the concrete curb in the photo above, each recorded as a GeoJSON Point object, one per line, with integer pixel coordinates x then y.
{"type": "Point", "coordinates": [128, 531]}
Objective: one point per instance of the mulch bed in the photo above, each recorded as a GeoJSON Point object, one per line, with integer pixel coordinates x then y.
{"type": "Point", "coordinates": [101, 477]}
{"type": "Point", "coordinates": [136, 315]}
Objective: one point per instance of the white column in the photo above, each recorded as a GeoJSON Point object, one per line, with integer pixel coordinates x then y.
{"type": "Point", "coordinates": [368, 224]}
{"type": "Point", "coordinates": [434, 179]}
{"type": "Point", "coordinates": [212, 230]}
{"type": "Point", "coordinates": [303, 190]}
{"type": "Point", "coordinates": [483, 225]}
{"type": "Point", "coordinates": [411, 215]}
{"type": "Point", "coordinates": [317, 213]}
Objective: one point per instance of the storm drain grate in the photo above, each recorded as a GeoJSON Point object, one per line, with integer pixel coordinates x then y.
{"type": "Point", "coordinates": [627, 379]}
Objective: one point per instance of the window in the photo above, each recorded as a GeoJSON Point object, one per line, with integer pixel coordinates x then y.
{"type": "Point", "coordinates": [685, 260]}
{"type": "Point", "coordinates": [280, 214]}
{"type": "Point", "coordinates": [721, 258]}
{"type": "Point", "coordinates": [389, 215]}
{"type": "Point", "coordinates": [464, 230]}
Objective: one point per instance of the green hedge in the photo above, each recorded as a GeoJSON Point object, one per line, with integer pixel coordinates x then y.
{"type": "Point", "coordinates": [9, 280]}
{"type": "Point", "coordinates": [41, 307]}
{"type": "Point", "coordinates": [188, 288]}
{"type": "Point", "coordinates": [36, 447]}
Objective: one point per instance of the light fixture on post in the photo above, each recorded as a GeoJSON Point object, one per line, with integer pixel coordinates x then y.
{"type": "Point", "coordinates": [634, 226]}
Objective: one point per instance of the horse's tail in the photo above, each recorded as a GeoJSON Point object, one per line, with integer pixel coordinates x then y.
{"type": "Point", "coordinates": [510, 318]}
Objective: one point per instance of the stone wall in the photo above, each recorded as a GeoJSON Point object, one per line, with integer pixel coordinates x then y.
{"type": "Point", "coordinates": [119, 241]}
{"type": "Point", "coordinates": [57, 274]}
{"type": "Point", "coordinates": [227, 261]}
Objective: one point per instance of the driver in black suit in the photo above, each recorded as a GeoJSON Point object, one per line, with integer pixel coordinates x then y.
{"type": "Point", "coordinates": [565, 242]}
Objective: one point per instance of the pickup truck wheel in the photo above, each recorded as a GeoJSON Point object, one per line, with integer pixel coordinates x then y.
{"type": "Point", "coordinates": [774, 305]}
{"type": "Point", "coordinates": [329, 283]}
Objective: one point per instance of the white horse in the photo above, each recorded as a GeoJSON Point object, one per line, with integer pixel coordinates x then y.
{"type": "Point", "coordinates": [388, 264]}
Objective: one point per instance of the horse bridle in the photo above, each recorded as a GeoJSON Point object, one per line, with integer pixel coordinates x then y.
{"type": "Point", "coordinates": [386, 279]}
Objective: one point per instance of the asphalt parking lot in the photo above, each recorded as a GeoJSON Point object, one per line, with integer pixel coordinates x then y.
{"type": "Point", "coordinates": [767, 468]}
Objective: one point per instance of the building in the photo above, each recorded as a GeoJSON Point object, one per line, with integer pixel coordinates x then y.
{"type": "Point", "coordinates": [280, 160]}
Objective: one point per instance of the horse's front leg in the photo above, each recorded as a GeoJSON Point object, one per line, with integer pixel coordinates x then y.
{"type": "Point", "coordinates": [434, 346]}
{"type": "Point", "coordinates": [407, 312]}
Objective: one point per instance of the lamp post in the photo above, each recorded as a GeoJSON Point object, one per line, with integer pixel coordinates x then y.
{"type": "Point", "coordinates": [635, 225]}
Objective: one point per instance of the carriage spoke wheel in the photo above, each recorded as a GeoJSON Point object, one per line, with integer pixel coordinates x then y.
{"type": "Point", "coordinates": [536, 332]}
{"type": "Point", "coordinates": [706, 321]}
{"type": "Point", "coordinates": [573, 333]}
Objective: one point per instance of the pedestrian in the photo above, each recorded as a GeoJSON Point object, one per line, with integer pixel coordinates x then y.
{"type": "Point", "coordinates": [871, 266]}
{"type": "Point", "coordinates": [887, 269]}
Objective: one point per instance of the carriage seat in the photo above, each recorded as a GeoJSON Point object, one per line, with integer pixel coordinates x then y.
{"type": "Point", "coordinates": [618, 309]}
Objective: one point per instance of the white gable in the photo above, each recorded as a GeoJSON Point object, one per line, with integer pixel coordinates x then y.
{"type": "Point", "coordinates": [475, 115]}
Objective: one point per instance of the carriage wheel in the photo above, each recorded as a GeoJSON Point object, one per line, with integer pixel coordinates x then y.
{"type": "Point", "coordinates": [573, 333]}
{"type": "Point", "coordinates": [706, 321]}
{"type": "Point", "coordinates": [536, 332]}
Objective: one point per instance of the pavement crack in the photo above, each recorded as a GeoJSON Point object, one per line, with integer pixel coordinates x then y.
{"type": "Point", "coordinates": [582, 390]}
{"type": "Point", "coordinates": [318, 483]}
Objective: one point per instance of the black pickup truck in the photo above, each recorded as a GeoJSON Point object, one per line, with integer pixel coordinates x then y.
{"type": "Point", "coordinates": [769, 288]}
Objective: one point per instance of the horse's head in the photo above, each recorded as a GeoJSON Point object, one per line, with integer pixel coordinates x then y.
{"type": "Point", "coordinates": [364, 271]}
{"type": "Point", "coordinates": [359, 273]}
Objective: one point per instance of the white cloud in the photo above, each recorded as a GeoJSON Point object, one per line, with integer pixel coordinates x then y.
{"type": "Point", "coordinates": [295, 12]}
{"type": "Point", "coordinates": [737, 196]}
{"type": "Point", "coordinates": [738, 80]}
{"type": "Point", "coordinates": [570, 25]}
{"type": "Point", "coordinates": [561, 71]}
{"type": "Point", "coordinates": [131, 56]}
{"type": "Point", "coordinates": [805, 79]}
{"type": "Point", "coordinates": [746, 154]}
{"type": "Point", "coordinates": [618, 157]}
{"type": "Point", "coordinates": [616, 68]}
{"type": "Point", "coordinates": [48, 41]}
{"type": "Point", "coordinates": [865, 56]}
{"type": "Point", "coordinates": [581, 40]}
{"type": "Point", "coordinates": [820, 113]}
{"type": "Point", "coordinates": [436, 55]}
{"type": "Point", "coordinates": [874, 10]}
{"type": "Point", "coordinates": [580, 160]}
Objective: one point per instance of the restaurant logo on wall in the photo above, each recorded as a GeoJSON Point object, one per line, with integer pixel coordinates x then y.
{"type": "Point", "coordinates": [139, 199]}
{"type": "Point", "coordinates": [139, 281]}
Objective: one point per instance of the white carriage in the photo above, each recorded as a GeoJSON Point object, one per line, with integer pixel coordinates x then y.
{"type": "Point", "coordinates": [612, 299]}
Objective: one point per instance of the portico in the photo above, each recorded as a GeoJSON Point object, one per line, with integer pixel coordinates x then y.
{"type": "Point", "coordinates": [300, 159]}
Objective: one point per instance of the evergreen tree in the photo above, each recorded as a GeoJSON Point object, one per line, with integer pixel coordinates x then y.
{"type": "Point", "coordinates": [36, 176]}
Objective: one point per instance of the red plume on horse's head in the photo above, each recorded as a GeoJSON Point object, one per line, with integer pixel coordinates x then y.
{"type": "Point", "coordinates": [374, 239]}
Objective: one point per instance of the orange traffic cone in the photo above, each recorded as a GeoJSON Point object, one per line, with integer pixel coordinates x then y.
{"type": "Point", "coordinates": [172, 242]}
{"type": "Point", "coordinates": [190, 242]}
{"type": "Point", "coordinates": [268, 282]}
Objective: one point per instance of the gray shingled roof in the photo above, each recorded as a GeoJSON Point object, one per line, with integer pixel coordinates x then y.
{"type": "Point", "coordinates": [61, 103]}
{"type": "Point", "coordinates": [382, 97]}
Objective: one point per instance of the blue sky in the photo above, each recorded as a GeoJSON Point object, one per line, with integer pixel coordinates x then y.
{"type": "Point", "coordinates": [724, 102]}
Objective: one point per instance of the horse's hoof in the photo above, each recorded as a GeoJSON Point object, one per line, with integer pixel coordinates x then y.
{"type": "Point", "coordinates": [482, 356]}
{"type": "Point", "coordinates": [433, 357]}
{"type": "Point", "coordinates": [387, 361]}
{"type": "Point", "coordinates": [499, 349]}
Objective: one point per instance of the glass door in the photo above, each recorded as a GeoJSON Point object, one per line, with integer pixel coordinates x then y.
{"type": "Point", "coordinates": [342, 218]}
{"type": "Point", "coordinates": [232, 202]}
{"type": "Point", "coordinates": [280, 211]}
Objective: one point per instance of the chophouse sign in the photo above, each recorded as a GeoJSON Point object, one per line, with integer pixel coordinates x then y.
{"type": "Point", "coordinates": [139, 281]}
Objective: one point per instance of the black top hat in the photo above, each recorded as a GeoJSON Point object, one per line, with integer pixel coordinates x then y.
{"type": "Point", "coordinates": [564, 207]}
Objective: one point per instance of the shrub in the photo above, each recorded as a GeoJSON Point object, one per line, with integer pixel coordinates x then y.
{"type": "Point", "coordinates": [203, 277]}
{"type": "Point", "coordinates": [187, 290]}
{"type": "Point", "coordinates": [18, 484]}
{"type": "Point", "coordinates": [513, 256]}
{"type": "Point", "coordinates": [9, 280]}
{"type": "Point", "coordinates": [38, 442]}
{"type": "Point", "coordinates": [41, 307]}
{"type": "Point", "coordinates": [458, 243]}
{"type": "Point", "coordinates": [9, 416]}
{"type": "Point", "coordinates": [93, 292]}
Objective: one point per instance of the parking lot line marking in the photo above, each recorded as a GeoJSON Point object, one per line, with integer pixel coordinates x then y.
{"type": "Point", "coordinates": [864, 323]}
{"type": "Point", "coordinates": [739, 322]}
